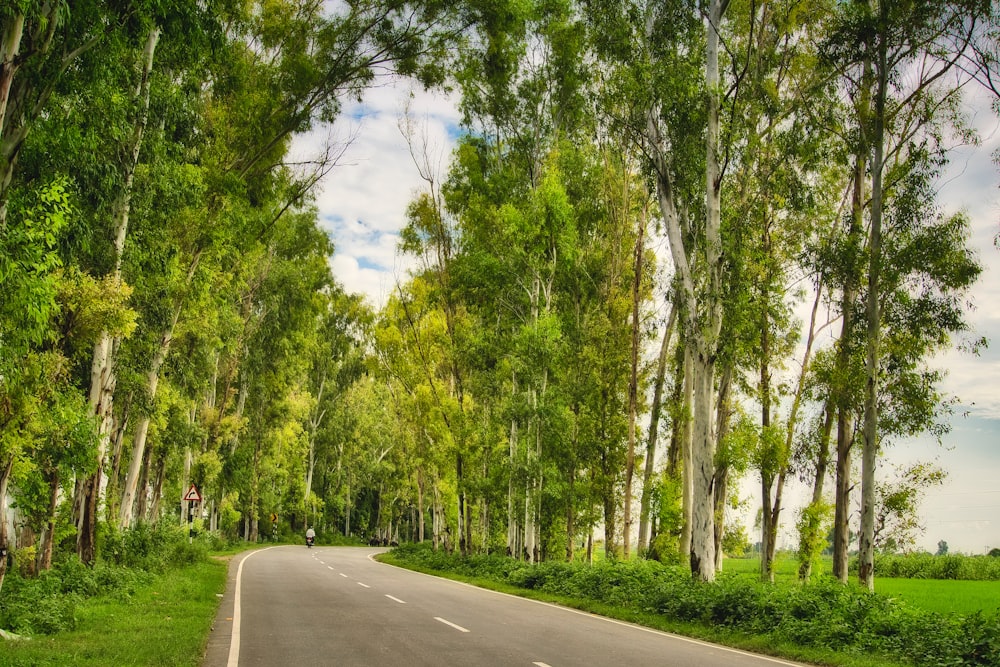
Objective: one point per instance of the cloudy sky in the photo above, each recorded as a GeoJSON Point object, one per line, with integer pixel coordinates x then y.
{"type": "Point", "coordinates": [363, 202]}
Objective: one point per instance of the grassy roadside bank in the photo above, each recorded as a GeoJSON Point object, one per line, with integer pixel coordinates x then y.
{"type": "Point", "coordinates": [823, 624]}
{"type": "Point", "coordinates": [165, 621]}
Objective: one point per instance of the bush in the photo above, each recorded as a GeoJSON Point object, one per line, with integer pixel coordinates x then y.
{"type": "Point", "coordinates": [825, 614]}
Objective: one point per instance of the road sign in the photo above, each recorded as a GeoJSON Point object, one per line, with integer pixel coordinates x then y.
{"type": "Point", "coordinates": [192, 496]}
{"type": "Point", "coordinates": [274, 517]}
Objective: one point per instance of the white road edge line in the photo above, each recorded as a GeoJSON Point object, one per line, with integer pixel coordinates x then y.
{"type": "Point", "coordinates": [343, 575]}
{"type": "Point", "coordinates": [641, 628]}
{"type": "Point", "coordinates": [457, 627]}
{"type": "Point", "coordinates": [396, 599]}
{"type": "Point", "coordinates": [540, 664]}
{"type": "Point", "coordinates": [365, 585]}
{"type": "Point", "coordinates": [234, 638]}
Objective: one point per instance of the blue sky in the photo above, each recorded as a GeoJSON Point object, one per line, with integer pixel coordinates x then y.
{"type": "Point", "coordinates": [363, 203]}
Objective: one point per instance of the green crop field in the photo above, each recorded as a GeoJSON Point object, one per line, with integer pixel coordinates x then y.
{"type": "Point", "coordinates": [944, 595]}
{"type": "Point", "coordinates": [939, 595]}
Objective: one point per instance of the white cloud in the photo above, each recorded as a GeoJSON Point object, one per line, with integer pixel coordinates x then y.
{"type": "Point", "coordinates": [363, 200]}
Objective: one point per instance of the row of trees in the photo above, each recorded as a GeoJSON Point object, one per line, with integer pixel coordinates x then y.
{"type": "Point", "coordinates": [167, 314]}
{"type": "Point", "coordinates": [781, 152]}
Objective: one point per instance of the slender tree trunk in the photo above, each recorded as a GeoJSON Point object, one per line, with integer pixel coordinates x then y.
{"type": "Point", "coordinates": [702, 301]}
{"type": "Point", "coordinates": [420, 507]}
{"type": "Point", "coordinates": [139, 440]}
{"type": "Point", "coordinates": [633, 386]}
{"type": "Point", "coordinates": [686, 443]}
{"type": "Point", "coordinates": [771, 459]}
{"type": "Point", "coordinates": [142, 492]}
{"type": "Point", "coordinates": [313, 428]}
{"type": "Point", "coordinates": [44, 558]}
{"type": "Point", "coordinates": [722, 466]}
{"type": "Point", "coordinates": [812, 529]}
{"type": "Point", "coordinates": [869, 457]}
{"type": "Point", "coordinates": [844, 393]}
{"type": "Point", "coordinates": [654, 428]}
{"type": "Point", "coordinates": [10, 46]}
{"type": "Point", "coordinates": [157, 492]}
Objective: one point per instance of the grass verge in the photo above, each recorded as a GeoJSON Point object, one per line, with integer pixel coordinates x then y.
{"type": "Point", "coordinates": [166, 622]}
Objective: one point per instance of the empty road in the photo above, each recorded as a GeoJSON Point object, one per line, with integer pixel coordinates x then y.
{"type": "Point", "coordinates": [290, 605]}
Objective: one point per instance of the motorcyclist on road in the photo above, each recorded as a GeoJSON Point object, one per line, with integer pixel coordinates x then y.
{"type": "Point", "coordinates": [310, 535]}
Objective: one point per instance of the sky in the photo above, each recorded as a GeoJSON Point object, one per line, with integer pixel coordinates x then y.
{"type": "Point", "coordinates": [362, 204]}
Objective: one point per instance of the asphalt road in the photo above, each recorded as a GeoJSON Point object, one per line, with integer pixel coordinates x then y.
{"type": "Point", "coordinates": [291, 605]}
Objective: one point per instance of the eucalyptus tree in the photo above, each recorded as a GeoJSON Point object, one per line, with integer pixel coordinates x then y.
{"type": "Point", "coordinates": [897, 60]}
{"type": "Point", "coordinates": [413, 349]}
{"type": "Point", "coordinates": [334, 350]}
{"type": "Point", "coordinates": [776, 153]}
{"type": "Point", "coordinates": [522, 82]}
{"type": "Point", "coordinates": [668, 60]}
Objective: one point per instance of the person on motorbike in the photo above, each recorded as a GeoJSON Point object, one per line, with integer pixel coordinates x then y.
{"type": "Point", "coordinates": [310, 535]}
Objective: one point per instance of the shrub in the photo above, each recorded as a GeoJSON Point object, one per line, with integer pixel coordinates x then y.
{"type": "Point", "coordinates": [824, 614]}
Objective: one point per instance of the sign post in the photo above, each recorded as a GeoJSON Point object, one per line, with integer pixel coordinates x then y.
{"type": "Point", "coordinates": [192, 496]}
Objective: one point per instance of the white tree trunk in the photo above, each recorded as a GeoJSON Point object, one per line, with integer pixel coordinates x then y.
{"type": "Point", "coordinates": [125, 514]}
{"type": "Point", "coordinates": [869, 455]}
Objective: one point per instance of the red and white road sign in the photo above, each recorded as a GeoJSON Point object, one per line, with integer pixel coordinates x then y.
{"type": "Point", "coordinates": [192, 496]}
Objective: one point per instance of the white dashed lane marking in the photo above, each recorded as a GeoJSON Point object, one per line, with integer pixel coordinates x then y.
{"type": "Point", "coordinates": [395, 599]}
{"type": "Point", "coordinates": [449, 623]}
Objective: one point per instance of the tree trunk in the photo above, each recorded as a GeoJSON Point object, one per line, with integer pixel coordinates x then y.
{"type": "Point", "coordinates": [633, 386]}
{"type": "Point", "coordinates": [686, 443]}
{"type": "Point", "coordinates": [811, 529]}
{"type": "Point", "coordinates": [844, 393]}
{"type": "Point", "coordinates": [156, 495]}
{"type": "Point", "coordinates": [5, 545]}
{"type": "Point", "coordinates": [869, 456]}
{"type": "Point", "coordinates": [10, 46]}
{"type": "Point", "coordinates": [702, 300]}
{"type": "Point", "coordinates": [722, 466]}
{"type": "Point", "coordinates": [44, 556]}
{"type": "Point", "coordinates": [139, 440]}
{"type": "Point", "coordinates": [142, 495]}
{"type": "Point", "coordinates": [769, 460]}
{"type": "Point", "coordinates": [654, 427]}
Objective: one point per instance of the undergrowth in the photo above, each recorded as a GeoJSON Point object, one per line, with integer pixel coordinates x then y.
{"type": "Point", "coordinates": [128, 560]}
{"type": "Point", "coordinates": [825, 614]}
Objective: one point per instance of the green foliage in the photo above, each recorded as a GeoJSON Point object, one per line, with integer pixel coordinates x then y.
{"type": "Point", "coordinates": [28, 262]}
{"type": "Point", "coordinates": [152, 548]}
{"type": "Point", "coordinates": [825, 614]}
{"type": "Point", "coordinates": [47, 604]}
{"type": "Point", "coordinates": [813, 526]}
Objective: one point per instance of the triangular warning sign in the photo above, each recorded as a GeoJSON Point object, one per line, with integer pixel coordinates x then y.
{"type": "Point", "coordinates": [192, 495]}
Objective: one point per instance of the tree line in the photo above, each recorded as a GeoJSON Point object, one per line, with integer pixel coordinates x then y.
{"type": "Point", "coordinates": [600, 337]}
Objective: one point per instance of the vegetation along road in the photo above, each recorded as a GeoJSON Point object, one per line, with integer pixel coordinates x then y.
{"type": "Point", "coordinates": [290, 605]}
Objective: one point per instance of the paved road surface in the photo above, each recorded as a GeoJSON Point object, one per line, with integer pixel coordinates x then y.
{"type": "Point", "coordinates": [288, 606]}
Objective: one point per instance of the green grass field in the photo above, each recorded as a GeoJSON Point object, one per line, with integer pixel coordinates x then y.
{"type": "Point", "coordinates": [944, 595]}
{"type": "Point", "coordinates": [166, 623]}
{"type": "Point", "coordinates": [939, 595]}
